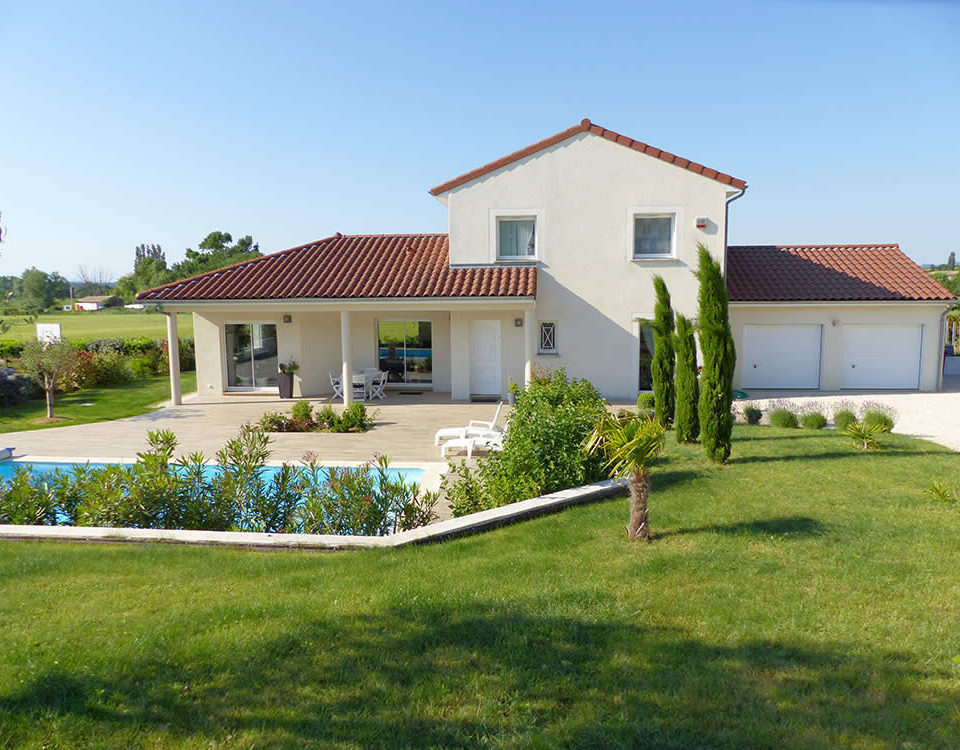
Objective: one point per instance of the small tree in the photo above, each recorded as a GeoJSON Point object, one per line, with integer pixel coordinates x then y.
{"type": "Point", "coordinates": [45, 362]}
{"type": "Point", "coordinates": [951, 261]}
{"type": "Point", "coordinates": [687, 420]}
{"type": "Point", "coordinates": [628, 444]}
{"type": "Point", "coordinates": [719, 360]}
{"type": "Point", "coordinates": [662, 367]}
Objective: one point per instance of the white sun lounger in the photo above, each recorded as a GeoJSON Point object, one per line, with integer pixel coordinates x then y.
{"type": "Point", "coordinates": [476, 428]}
{"type": "Point", "coordinates": [490, 442]}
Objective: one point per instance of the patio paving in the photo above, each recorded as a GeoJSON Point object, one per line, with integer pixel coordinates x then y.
{"type": "Point", "coordinates": [405, 426]}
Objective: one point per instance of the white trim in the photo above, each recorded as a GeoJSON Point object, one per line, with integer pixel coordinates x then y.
{"type": "Point", "coordinates": [675, 213]}
{"type": "Point", "coordinates": [496, 214]}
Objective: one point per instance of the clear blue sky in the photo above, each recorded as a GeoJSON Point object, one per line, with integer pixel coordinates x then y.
{"type": "Point", "coordinates": [123, 123]}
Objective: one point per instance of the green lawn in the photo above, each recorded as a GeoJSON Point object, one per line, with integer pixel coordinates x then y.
{"type": "Point", "coordinates": [98, 405]}
{"type": "Point", "coordinates": [802, 596]}
{"type": "Point", "coordinates": [104, 324]}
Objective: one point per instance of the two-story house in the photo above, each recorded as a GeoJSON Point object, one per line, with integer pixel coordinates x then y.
{"type": "Point", "coordinates": [548, 262]}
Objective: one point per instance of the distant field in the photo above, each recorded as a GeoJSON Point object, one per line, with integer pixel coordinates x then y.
{"type": "Point", "coordinates": [104, 324]}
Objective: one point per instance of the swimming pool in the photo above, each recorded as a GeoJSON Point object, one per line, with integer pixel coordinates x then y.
{"type": "Point", "coordinates": [39, 468]}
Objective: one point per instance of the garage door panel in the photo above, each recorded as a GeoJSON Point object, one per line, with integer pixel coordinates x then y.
{"type": "Point", "coordinates": [786, 356]}
{"type": "Point", "coordinates": [881, 356]}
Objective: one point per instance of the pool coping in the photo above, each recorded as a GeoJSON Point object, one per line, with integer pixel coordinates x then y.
{"type": "Point", "coordinates": [437, 532]}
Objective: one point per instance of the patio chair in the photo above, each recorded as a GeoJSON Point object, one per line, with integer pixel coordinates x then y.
{"type": "Point", "coordinates": [377, 386]}
{"type": "Point", "coordinates": [359, 383]}
{"type": "Point", "coordinates": [337, 384]}
{"type": "Point", "coordinates": [475, 428]}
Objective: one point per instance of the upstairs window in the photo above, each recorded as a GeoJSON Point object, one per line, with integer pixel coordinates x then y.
{"type": "Point", "coordinates": [516, 238]}
{"type": "Point", "coordinates": [653, 235]}
{"type": "Point", "coordinates": [548, 338]}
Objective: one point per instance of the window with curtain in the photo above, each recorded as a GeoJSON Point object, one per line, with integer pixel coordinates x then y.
{"type": "Point", "coordinates": [652, 235]}
{"type": "Point", "coordinates": [516, 238]}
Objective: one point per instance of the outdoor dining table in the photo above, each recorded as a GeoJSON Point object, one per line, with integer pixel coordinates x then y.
{"type": "Point", "coordinates": [369, 377]}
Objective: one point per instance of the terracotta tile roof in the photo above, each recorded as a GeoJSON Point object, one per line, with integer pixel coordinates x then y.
{"type": "Point", "coordinates": [379, 266]}
{"type": "Point", "coordinates": [781, 273]}
{"type": "Point", "coordinates": [586, 126]}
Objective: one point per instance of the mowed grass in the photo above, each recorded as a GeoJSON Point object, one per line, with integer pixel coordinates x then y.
{"type": "Point", "coordinates": [96, 405]}
{"type": "Point", "coordinates": [110, 323]}
{"type": "Point", "coordinates": [804, 595]}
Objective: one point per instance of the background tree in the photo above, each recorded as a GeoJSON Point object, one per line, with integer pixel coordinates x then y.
{"type": "Point", "coordinates": [45, 363]}
{"type": "Point", "coordinates": [686, 420]}
{"type": "Point", "coordinates": [628, 444]}
{"type": "Point", "coordinates": [215, 252]}
{"type": "Point", "coordinates": [149, 270]}
{"type": "Point", "coordinates": [951, 261]}
{"type": "Point", "coordinates": [36, 290]}
{"type": "Point", "coordinates": [94, 279]}
{"type": "Point", "coordinates": [719, 360]}
{"type": "Point", "coordinates": [663, 358]}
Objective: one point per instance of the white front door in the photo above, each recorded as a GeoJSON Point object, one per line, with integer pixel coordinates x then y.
{"type": "Point", "coordinates": [485, 357]}
{"type": "Point", "coordinates": [881, 356]}
{"type": "Point", "coordinates": [781, 356]}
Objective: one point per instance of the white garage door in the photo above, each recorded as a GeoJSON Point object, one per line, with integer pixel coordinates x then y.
{"type": "Point", "coordinates": [881, 356]}
{"type": "Point", "coordinates": [781, 357]}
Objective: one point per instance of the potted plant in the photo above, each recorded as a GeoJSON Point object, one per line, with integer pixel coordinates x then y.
{"type": "Point", "coordinates": [285, 379]}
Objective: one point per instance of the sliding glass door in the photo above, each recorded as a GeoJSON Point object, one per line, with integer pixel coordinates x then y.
{"type": "Point", "coordinates": [406, 350]}
{"type": "Point", "coordinates": [251, 355]}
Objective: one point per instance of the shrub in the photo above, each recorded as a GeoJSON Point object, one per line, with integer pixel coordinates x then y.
{"type": "Point", "coordinates": [464, 490]}
{"type": "Point", "coordinates": [143, 367]}
{"type": "Point", "coordinates": [752, 414]}
{"type": "Point", "coordinates": [783, 417]}
{"type": "Point", "coordinates": [302, 410]}
{"type": "Point", "coordinates": [882, 419]}
{"type": "Point", "coordinates": [687, 420]}
{"type": "Point", "coordinates": [109, 368]}
{"type": "Point", "coordinates": [361, 500]}
{"type": "Point", "coordinates": [16, 388]}
{"type": "Point", "coordinates": [542, 448]}
{"type": "Point", "coordinates": [863, 436]}
{"type": "Point", "coordinates": [328, 418]}
{"type": "Point", "coordinates": [273, 421]}
{"type": "Point", "coordinates": [645, 402]}
{"type": "Point", "coordinates": [719, 359]}
{"type": "Point", "coordinates": [355, 418]}
{"type": "Point", "coordinates": [663, 357]}
{"type": "Point", "coordinates": [813, 420]}
{"type": "Point", "coordinates": [10, 348]}
{"type": "Point", "coordinates": [843, 418]}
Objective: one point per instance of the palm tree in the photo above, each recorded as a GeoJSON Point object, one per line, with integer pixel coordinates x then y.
{"type": "Point", "coordinates": [628, 443]}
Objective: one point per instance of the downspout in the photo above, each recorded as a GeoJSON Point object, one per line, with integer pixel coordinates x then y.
{"type": "Point", "coordinates": [726, 225]}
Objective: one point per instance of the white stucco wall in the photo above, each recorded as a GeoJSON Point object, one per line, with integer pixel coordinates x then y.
{"type": "Point", "coordinates": [583, 190]}
{"type": "Point", "coordinates": [832, 356]}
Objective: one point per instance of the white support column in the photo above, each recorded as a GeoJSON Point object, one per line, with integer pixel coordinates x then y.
{"type": "Point", "coordinates": [173, 356]}
{"type": "Point", "coordinates": [530, 343]}
{"type": "Point", "coordinates": [347, 354]}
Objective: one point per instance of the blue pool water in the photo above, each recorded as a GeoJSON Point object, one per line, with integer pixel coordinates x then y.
{"type": "Point", "coordinates": [8, 468]}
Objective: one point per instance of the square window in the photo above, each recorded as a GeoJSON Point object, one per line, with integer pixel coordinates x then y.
{"type": "Point", "coordinates": [517, 237]}
{"type": "Point", "coordinates": [548, 338]}
{"type": "Point", "coordinates": [653, 235]}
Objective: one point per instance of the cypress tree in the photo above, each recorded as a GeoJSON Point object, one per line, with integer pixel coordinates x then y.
{"type": "Point", "coordinates": [687, 420]}
{"type": "Point", "coordinates": [719, 359]}
{"type": "Point", "coordinates": [662, 366]}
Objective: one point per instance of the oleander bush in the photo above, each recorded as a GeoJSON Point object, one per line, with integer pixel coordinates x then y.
{"type": "Point", "coordinates": [782, 416]}
{"type": "Point", "coordinates": [237, 493]}
{"type": "Point", "coordinates": [752, 414]}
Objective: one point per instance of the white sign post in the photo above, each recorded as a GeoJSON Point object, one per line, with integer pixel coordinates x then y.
{"type": "Point", "coordinates": [48, 333]}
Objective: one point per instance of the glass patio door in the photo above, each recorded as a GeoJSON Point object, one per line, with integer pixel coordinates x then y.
{"type": "Point", "coordinates": [251, 355]}
{"type": "Point", "coordinates": [406, 351]}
